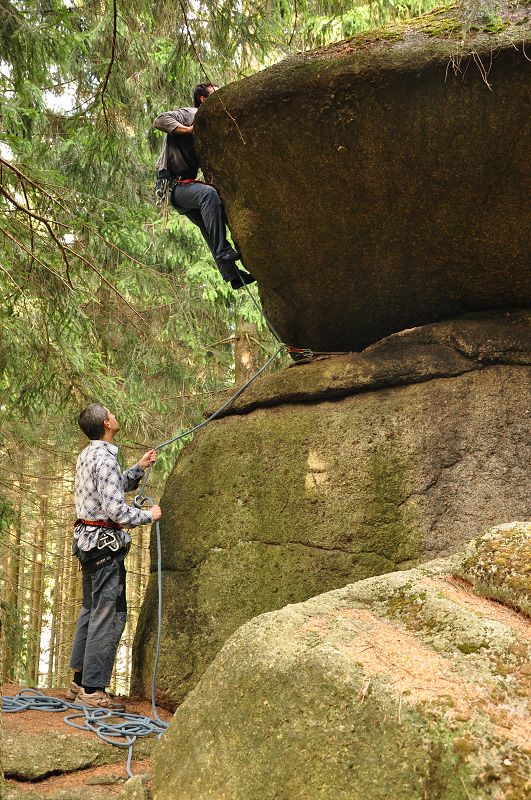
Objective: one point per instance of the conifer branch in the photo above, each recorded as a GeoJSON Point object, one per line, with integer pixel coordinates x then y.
{"type": "Point", "coordinates": [203, 68]}
{"type": "Point", "coordinates": [32, 255]}
{"type": "Point", "coordinates": [111, 62]}
{"type": "Point", "coordinates": [24, 178]}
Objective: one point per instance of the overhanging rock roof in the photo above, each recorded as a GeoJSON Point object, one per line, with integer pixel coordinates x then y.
{"type": "Point", "coordinates": [381, 183]}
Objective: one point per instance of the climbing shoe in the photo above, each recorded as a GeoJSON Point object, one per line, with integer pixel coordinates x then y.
{"type": "Point", "coordinates": [72, 691]}
{"type": "Point", "coordinates": [242, 279]}
{"type": "Point", "coordinates": [99, 699]}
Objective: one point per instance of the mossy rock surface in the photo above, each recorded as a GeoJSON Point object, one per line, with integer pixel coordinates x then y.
{"type": "Point", "coordinates": [442, 350]}
{"type": "Point", "coordinates": [381, 183]}
{"type": "Point", "coordinates": [132, 789]}
{"type": "Point", "coordinates": [404, 685]}
{"type": "Point", "coordinates": [499, 565]}
{"type": "Point", "coordinates": [13, 792]}
{"type": "Point", "coordinates": [33, 757]}
{"type": "Point", "coordinates": [276, 505]}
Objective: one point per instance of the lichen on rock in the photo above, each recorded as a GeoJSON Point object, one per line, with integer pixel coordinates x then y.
{"type": "Point", "coordinates": [406, 685]}
{"type": "Point", "coordinates": [499, 565]}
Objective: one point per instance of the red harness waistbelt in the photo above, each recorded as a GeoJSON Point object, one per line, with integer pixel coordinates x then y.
{"type": "Point", "coordinates": [100, 523]}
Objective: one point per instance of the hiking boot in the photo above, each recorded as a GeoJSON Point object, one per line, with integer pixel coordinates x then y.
{"type": "Point", "coordinates": [99, 699]}
{"type": "Point", "coordinates": [235, 255]}
{"type": "Point", "coordinates": [242, 279]}
{"type": "Point", "coordinates": [72, 692]}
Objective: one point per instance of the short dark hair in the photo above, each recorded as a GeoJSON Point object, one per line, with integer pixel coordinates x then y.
{"type": "Point", "coordinates": [91, 420]}
{"type": "Point", "coordinates": [201, 90]}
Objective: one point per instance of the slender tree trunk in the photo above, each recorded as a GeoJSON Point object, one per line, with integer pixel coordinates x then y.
{"type": "Point", "coordinates": [146, 560]}
{"type": "Point", "coordinates": [63, 653]}
{"type": "Point", "coordinates": [52, 659]}
{"type": "Point", "coordinates": [21, 596]}
{"type": "Point", "coordinates": [37, 590]}
{"type": "Point", "coordinates": [136, 582]}
{"type": "Point", "coordinates": [11, 596]}
{"type": "Point", "coordinates": [71, 606]}
{"type": "Point", "coordinates": [246, 351]}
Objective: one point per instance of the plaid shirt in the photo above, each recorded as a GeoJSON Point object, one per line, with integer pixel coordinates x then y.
{"type": "Point", "coordinates": [100, 487]}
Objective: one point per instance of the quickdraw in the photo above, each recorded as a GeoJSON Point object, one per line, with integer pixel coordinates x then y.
{"type": "Point", "coordinates": [298, 353]}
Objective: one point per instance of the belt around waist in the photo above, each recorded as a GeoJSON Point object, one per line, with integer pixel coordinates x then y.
{"type": "Point", "coordinates": [99, 523]}
{"type": "Point", "coordinates": [181, 181]}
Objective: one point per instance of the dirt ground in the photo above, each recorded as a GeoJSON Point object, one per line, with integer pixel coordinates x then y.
{"type": "Point", "coordinates": [110, 776]}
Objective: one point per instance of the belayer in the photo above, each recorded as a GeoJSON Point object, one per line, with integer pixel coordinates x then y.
{"type": "Point", "coordinates": [178, 165]}
{"type": "Point", "coordinates": [101, 544]}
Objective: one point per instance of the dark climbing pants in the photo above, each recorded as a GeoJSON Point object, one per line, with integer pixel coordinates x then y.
{"type": "Point", "coordinates": [101, 623]}
{"type": "Point", "coordinates": [202, 205]}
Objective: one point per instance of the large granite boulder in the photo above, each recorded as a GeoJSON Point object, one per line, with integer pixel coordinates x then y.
{"type": "Point", "coordinates": [334, 471]}
{"type": "Point", "coordinates": [382, 182]}
{"type": "Point", "coordinates": [406, 686]}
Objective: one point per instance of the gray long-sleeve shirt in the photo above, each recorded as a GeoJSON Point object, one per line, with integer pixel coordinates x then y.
{"type": "Point", "coordinates": [178, 155]}
{"type": "Point", "coordinates": [100, 487]}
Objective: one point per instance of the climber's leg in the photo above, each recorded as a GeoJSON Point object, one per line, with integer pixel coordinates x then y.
{"type": "Point", "coordinates": [202, 205]}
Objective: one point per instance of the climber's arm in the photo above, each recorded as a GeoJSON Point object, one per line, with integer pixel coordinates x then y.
{"type": "Point", "coordinates": [172, 122]}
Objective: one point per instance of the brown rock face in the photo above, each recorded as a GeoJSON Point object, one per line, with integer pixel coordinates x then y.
{"type": "Point", "coordinates": [381, 183]}
{"type": "Point", "coordinates": [335, 471]}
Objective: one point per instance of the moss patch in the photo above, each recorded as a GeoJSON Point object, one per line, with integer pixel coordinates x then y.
{"type": "Point", "coordinates": [499, 565]}
{"type": "Point", "coordinates": [438, 23]}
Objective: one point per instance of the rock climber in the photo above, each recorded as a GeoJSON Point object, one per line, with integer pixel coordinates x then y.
{"type": "Point", "coordinates": [100, 544]}
{"type": "Point", "coordinates": [200, 202]}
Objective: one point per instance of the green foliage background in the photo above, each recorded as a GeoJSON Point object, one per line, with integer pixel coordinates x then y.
{"type": "Point", "coordinates": [100, 297]}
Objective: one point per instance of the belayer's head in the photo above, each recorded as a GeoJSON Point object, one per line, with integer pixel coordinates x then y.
{"type": "Point", "coordinates": [97, 422]}
{"type": "Point", "coordinates": [202, 91]}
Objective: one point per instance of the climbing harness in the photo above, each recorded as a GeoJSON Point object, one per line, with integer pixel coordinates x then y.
{"type": "Point", "coordinates": [98, 523]}
{"type": "Point", "coordinates": [298, 353]}
{"type": "Point", "coordinates": [163, 188]}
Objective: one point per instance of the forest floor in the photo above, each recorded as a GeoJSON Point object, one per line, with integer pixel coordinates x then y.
{"type": "Point", "coordinates": [34, 723]}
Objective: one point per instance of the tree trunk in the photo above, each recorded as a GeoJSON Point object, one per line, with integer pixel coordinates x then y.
{"type": "Point", "coordinates": [63, 653]}
{"type": "Point", "coordinates": [246, 351]}
{"type": "Point", "coordinates": [21, 596]}
{"type": "Point", "coordinates": [54, 629]}
{"type": "Point", "coordinates": [11, 588]}
{"type": "Point", "coordinates": [73, 593]}
{"type": "Point", "coordinates": [37, 592]}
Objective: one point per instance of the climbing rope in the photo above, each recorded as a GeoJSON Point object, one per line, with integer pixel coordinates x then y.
{"type": "Point", "coordinates": [114, 727]}
{"type": "Point", "coordinates": [139, 499]}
